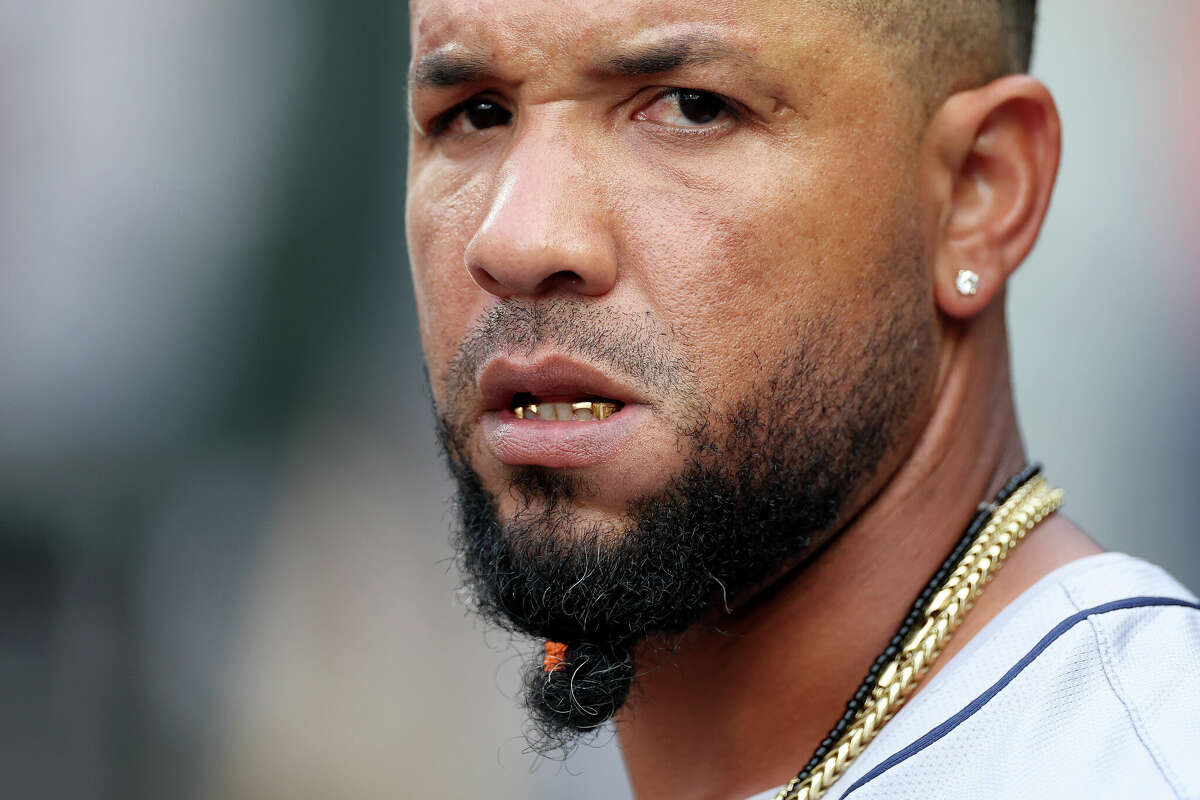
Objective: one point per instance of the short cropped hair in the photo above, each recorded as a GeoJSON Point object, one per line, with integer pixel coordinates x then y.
{"type": "Point", "coordinates": [947, 46]}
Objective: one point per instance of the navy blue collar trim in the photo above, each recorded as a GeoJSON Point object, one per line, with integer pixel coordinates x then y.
{"type": "Point", "coordinates": [979, 702]}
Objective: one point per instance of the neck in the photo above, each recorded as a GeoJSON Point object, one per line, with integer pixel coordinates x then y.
{"type": "Point", "coordinates": [736, 711]}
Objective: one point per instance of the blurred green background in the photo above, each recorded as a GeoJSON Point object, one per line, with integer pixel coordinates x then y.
{"type": "Point", "coordinates": [223, 558]}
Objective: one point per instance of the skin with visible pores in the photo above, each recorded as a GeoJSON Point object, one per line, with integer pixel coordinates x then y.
{"type": "Point", "coordinates": [828, 205]}
{"type": "Point", "coordinates": [727, 238]}
{"type": "Point", "coordinates": [783, 274]}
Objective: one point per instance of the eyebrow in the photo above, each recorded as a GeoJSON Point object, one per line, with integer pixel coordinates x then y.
{"type": "Point", "coordinates": [667, 55]}
{"type": "Point", "coordinates": [447, 68]}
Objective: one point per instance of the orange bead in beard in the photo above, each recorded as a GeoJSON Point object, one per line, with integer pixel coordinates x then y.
{"type": "Point", "coordinates": [556, 657]}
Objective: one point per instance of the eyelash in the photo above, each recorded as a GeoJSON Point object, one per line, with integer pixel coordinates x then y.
{"type": "Point", "coordinates": [443, 121]}
{"type": "Point", "coordinates": [728, 107]}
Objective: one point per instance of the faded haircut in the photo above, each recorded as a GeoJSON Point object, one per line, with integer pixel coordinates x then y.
{"type": "Point", "coordinates": [945, 46]}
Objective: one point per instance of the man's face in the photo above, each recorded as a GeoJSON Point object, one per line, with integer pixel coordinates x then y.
{"type": "Point", "coordinates": [703, 216]}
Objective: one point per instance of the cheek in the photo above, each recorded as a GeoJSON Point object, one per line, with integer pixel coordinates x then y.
{"type": "Point", "coordinates": [442, 215]}
{"type": "Point", "coordinates": [750, 263]}
{"type": "Point", "coordinates": [738, 267]}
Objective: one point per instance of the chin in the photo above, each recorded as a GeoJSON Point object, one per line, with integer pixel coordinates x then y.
{"type": "Point", "coordinates": [599, 493]}
{"type": "Point", "coordinates": [564, 536]}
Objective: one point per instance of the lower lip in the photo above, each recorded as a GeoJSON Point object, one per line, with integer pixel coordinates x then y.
{"type": "Point", "coordinates": [566, 444]}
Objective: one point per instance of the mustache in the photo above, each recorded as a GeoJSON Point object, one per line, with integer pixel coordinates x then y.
{"type": "Point", "coordinates": [631, 343]}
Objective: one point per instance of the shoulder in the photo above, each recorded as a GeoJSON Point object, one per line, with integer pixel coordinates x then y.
{"type": "Point", "coordinates": [1085, 686]}
{"type": "Point", "coordinates": [1148, 648]}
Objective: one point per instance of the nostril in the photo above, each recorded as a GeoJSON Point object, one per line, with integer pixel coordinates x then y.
{"type": "Point", "coordinates": [508, 265]}
{"type": "Point", "coordinates": [484, 280]}
{"type": "Point", "coordinates": [564, 278]}
{"type": "Point", "coordinates": [518, 283]}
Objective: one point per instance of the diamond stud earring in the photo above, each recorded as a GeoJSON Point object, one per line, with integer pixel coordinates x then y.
{"type": "Point", "coordinates": [967, 282]}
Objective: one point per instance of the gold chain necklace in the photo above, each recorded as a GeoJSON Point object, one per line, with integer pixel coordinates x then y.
{"type": "Point", "coordinates": [1009, 523]}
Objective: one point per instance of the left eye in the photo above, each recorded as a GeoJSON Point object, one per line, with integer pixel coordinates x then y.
{"type": "Point", "coordinates": [476, 114]}
{"type": "Point", "coordinates": [685, 108]}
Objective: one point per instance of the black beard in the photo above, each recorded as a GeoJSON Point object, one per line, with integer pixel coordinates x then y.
{"type": "Point", "coordinates": [763, 480]}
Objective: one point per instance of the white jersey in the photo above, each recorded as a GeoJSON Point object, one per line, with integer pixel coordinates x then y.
{"type": "Point", "coordinates": [1087, 686]}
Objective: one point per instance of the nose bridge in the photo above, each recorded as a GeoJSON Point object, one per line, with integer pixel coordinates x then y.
{"type": "Point", "coordinates": [539, 181]}
{"type": "Point", "coordinates": [546, 224]}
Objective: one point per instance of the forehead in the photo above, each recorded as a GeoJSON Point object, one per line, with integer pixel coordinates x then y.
{"type": "Point", "coordinates": [544, 31]}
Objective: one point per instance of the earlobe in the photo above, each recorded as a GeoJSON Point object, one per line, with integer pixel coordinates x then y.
{"type": "Point", "coordinates": [994, 153]}
{"type": "Point", "coordinates": [965, 292]}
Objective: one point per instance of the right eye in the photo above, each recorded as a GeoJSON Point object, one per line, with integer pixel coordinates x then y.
{"type": "Point", "coordinates": [476, 114]}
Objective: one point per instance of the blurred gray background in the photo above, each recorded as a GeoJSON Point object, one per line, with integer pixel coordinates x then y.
{"type": "Point", "coordinates": [223, 558]}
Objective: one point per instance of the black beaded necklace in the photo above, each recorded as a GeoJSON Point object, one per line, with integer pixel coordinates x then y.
{"type": "Point", "coordinates": [917, 613]}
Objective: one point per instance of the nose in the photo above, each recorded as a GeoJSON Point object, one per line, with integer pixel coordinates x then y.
{"type": "Point", "coordinates": [546, 228]}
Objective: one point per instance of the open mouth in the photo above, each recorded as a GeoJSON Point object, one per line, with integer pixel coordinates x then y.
{"type": "Point", "coordinates": [556, 412]}
{"type": "Point", "coordinates": [579, 409]}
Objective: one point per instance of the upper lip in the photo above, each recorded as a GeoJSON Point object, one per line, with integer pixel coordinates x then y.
{"type": "Point", "coordinates": [548, 376]}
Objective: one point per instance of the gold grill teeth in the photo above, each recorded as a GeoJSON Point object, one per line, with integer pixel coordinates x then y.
{"type": "Point", "coordinates": [599, 409]}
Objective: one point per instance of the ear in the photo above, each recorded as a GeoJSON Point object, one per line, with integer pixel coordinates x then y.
{"type": "Point", "coordinates": [989, 162]}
